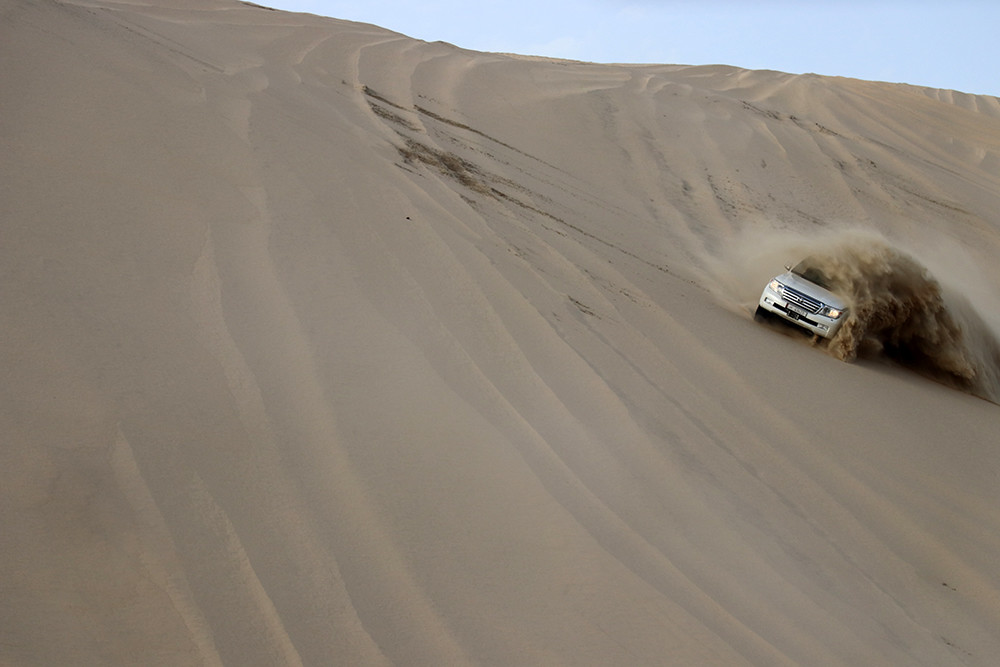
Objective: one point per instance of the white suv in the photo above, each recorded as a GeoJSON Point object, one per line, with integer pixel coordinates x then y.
{"type": "Point", "coordinates": [802, 296]}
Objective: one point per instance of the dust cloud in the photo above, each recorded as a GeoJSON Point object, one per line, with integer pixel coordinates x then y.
{"type": "Point", "coordinates": [898, 310]}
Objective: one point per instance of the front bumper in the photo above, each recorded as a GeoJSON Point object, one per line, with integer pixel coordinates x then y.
{"type": "Point", "coordinates": [821, 325]}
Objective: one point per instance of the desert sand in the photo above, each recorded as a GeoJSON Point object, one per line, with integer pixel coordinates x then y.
{"type": "Point", "coordinates": [323, 345]}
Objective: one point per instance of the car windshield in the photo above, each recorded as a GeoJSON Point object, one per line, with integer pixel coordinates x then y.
{"type": "Point", "coordinates": [807, 269]}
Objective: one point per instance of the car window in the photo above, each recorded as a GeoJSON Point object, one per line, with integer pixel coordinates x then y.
{"type": "Point", "coordinates": [808, 270]}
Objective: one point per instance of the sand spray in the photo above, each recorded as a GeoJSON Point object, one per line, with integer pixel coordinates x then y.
{"type": "Point", "coordinates": [898, 309]}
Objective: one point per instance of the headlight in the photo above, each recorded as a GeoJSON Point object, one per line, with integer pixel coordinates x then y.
{"type": "Point", "coordinates": [832, 312]}
{"type": "Point", "coordinates": [775, 286]}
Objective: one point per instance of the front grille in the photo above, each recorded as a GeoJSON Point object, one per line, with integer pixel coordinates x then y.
{"type": "Point", "coordinates": [801, 300]}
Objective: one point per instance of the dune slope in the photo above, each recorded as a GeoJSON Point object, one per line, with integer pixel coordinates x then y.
{"type": "Point", "coordinates": [324, 345]}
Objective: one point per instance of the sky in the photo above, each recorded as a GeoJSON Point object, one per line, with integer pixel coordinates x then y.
{"type": "Point", "coordinates": [936, 43]}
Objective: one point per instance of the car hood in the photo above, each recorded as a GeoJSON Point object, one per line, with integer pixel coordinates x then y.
{"type": "Point", "coordinates": [812, 289]}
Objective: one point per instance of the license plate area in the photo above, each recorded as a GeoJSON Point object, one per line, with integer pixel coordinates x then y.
{"type": "Point", "coordinates": [795, 312]}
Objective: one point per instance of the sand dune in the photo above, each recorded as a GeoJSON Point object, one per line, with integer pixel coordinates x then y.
{"type": "Point", "coordinates": [324, 345]}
